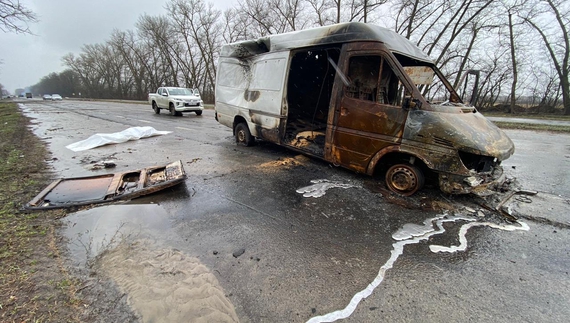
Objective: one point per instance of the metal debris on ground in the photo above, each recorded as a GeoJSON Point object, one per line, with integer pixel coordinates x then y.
{"type": "Point", "coordinates": [80, 191]}
{"type": "Point", "coordinates": [104, 164]}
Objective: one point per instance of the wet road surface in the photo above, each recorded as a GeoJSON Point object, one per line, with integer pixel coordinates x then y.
{"type": "Point", "coordinates": [271, 255]}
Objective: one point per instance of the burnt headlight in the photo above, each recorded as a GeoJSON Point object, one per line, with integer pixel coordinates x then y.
{"type": "Point", "coordinates": [478, 163]}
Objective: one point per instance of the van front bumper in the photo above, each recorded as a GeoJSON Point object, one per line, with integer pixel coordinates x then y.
{"type": "Point", "coordinates": [476, 183]}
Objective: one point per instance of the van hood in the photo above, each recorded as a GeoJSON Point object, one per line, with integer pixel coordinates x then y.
{"type": "Point", "coordinates": [454, 128]}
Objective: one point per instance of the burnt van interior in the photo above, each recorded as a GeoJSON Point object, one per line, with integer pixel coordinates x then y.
{"type": "Point", "coordinates": [311, 79]}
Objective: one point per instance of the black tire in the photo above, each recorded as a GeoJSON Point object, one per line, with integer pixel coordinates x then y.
{"type": "Point", "coordinates": [199, 112]}
{"type": "Point", "coordinates": [404, 179]}
{"type": "Point", "coordinates": [155, 108]}
{"type": "Point", "coordinates": [243, 136]}
{"type": "Point", "coordinates": [172, 110]}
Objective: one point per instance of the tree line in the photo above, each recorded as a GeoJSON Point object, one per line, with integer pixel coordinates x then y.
{"type": "Point", "coordinates": [520, 48]}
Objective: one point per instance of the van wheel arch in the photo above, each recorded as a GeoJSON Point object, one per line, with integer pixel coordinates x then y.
{"type": "Point", "coordinates": [242, 133]}
{"type": "Point", "coordinates": [403, 173]}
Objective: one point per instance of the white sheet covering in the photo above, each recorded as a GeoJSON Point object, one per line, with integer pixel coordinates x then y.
{"type": "Point", "coordinates": [101, 139]}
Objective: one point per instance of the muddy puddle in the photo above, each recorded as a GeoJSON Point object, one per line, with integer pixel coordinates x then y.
{"type": "Point", "coordinates": [134, 246]}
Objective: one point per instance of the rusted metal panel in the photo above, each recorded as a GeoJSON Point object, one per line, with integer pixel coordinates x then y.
{"type": "Point", "coordinates": [79, 191]}
{"type": "Point", "coordinates": [470, 132]}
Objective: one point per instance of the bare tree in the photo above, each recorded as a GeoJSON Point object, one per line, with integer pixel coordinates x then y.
{"type": "Point", "coordinates": [15, 17]}
{"type": "Point", "coordinates": [551, 23]}
{"type": "Point", "coordinates": [512, 8]}
{"type": "Point", "coordinates": [158, 32]}
{"type": "Point", "coordinates": [322, 10]}
{"type": "Point", "coordinates": [198, 27]}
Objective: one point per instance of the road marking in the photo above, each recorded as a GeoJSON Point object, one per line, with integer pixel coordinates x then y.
{"type": "Point", "coordinates": [182, 128]}
{"type": "Point", "coordinates": [120, 117]}
{"type": "Point", "coordinates": [144, 121]}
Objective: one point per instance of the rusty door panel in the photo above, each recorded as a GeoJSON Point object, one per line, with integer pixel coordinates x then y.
{"type": "Point", "coordinates": [72, 192]}
{"type": "Point", "coordinates": [362, 129]}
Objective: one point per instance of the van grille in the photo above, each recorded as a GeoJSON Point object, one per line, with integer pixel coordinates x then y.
{"type": "Point", "coordinates": [442, 141]}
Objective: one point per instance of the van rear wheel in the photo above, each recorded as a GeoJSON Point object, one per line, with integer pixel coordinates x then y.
{"type": "Point", "coordinates": [404, 179]}
{"type": "Point", "coordinates": [155, 108]}
{"type": "Point", "coordinates": [243, 136]}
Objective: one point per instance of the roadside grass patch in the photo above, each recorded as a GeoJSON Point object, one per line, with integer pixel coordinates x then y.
{"type": "Point", "coordinates": [536, 127]}
{"type": "Point", "coordinates": [29, 255]}
{"type": "Point", "coordinates": [558, 117]}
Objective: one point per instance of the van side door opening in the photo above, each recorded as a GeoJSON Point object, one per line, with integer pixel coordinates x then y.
{"type": "Point", "coordinates": [309, 90]}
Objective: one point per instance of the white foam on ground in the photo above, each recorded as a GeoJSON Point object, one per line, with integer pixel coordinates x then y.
{"type": "Point", "coordinates": [320, 187]}
{"type": "Point", "coordinates": [411, 234]}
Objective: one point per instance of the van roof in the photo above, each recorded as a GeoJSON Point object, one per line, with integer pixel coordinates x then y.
{"type": "Point", "coordinates": [334, 34]}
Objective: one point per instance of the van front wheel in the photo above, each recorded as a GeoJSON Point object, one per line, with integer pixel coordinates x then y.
{"type": "Point", "coordinates": [404, 179]}
{"type": "Point", "coordinates": [243, 136]}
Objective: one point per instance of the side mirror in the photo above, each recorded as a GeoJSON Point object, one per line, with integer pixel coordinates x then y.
{"type": "Point", "coordinates": [410, 103]}
{"type": "Point", "coordinates": [164, 94]}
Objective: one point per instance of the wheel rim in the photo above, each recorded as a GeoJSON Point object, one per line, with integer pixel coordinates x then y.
{"type": "Point", "coordinates": [403, 180]}
{"type": "Point", "coordinates": [241, 136]}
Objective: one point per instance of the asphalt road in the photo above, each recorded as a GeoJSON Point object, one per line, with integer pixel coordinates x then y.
{"type": "Point", "coordinates": [281, 257]}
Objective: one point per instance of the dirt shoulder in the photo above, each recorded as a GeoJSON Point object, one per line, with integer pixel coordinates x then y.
{"type": "Point", "coordinates": [35, 283]}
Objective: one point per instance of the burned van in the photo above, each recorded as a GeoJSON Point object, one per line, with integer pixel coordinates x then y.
{"type": "Point", "coordinates": [361, 97]}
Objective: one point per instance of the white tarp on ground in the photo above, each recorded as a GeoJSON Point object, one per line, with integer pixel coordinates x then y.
{"type": "Point", "coordinates": [101, 139]}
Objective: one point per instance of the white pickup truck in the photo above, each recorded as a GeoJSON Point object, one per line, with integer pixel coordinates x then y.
{"type": "Point", "coordinates": [176, 100]}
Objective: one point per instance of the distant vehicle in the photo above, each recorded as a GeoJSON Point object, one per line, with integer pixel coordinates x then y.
{"type": "Point", "coordinates": [46, 97]}
{"type": "Point", "coordinates": [28, 95]}
{"type": "Point", "coordinates": [176, 100]}
{"type": "Point", "coordinates": [56, 97]}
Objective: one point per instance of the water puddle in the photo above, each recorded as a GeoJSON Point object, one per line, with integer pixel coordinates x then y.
{"type": "Point", "coordinates": [165, 285]}
{"type": "Point", "coordinates": [412, 234]}
{"type": "Point", "coordinates": [93, 231]}
{"type": "Point", "coordinates": [133, 245]}
{"type": "Point", "coordinates": [320, 187]}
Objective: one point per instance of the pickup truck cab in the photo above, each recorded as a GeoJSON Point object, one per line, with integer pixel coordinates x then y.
{"type": "Point", "coordinates": [176, 100]}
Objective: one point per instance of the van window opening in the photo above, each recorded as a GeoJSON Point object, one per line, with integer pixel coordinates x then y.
{"type": "Point", "coordinates": [372, 79]}
{"type": "Point", "coordinates": [428, 81]}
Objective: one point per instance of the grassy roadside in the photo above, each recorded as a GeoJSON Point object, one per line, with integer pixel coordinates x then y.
{"type": "Point", "coordinates": [528, 116]}
{"type": "Point", "coordinates": [526, 126]}
{"type": "Point", "coordinates": [536, 127]}
{"type": "Point", "coordinates": [34, 284]}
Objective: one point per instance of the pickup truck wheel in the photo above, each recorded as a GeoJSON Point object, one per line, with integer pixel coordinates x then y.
{"type": "Point", "coordinates": [404, 179]}
{"type": "Point", "coordinates": [155, 108]}
{"type": "Point", "coordinates": [199, 112]}
{"type": "Point", "coordinates": [172, 110]}
{"type": "Point", "coordinates": [243, 136]}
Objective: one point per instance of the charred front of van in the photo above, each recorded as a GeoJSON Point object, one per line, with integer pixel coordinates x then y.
{"type": "Point", "coordinates": [446, 136]}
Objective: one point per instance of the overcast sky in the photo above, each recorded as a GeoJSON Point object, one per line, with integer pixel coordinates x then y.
{"type": "Point", "coordinates": [65, 26]}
